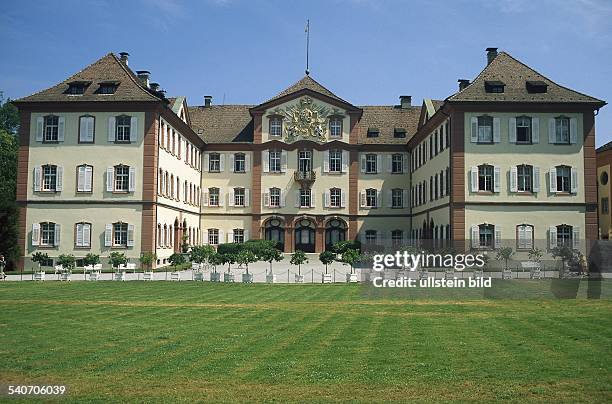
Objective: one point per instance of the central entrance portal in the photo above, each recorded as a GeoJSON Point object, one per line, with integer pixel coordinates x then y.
{"type": "Point", "coordinates": [305, 236]}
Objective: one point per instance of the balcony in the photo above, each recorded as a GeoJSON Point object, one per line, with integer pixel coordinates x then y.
{"type": "Point", "coordinates": [305, 177]}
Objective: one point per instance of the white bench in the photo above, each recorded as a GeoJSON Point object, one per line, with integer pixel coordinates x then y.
{"type": "Point", "coordinates": [94, 276]}
{"type": "Point", "coordinates": [175, 276]}
{"type": "Point", "coordinates": [39, 276]}
{"type": "Point", "coordinates": [147, 276]}
{"type": "Point", "coordinates": [534, 269]}
{"type": "Point", "coordinates": [506, 274]}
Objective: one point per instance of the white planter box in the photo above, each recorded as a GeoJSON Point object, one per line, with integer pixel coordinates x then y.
{"type": "Point", "coordinates": [119, 276]}
{"type": "Point", "coordinates": [423, 274]}
{"type": "Point", "coordinates": [299, 278]}
{"type": "Point", "coordinates": [147, 276]}
{"type": "Point", "coordinates": [215, 277]}
{"type": "Point", "coordinates": [247, 278]}
{"type": "Point", "coordinates": [229, 277]}
{"type": "Point", "coordinates": [478, 274]}
{"type": "Point", "coordinates": [535, 274]}
{"type": "Point", "coordinates": [401, 274]}
{"type": "Point", "coordinates": [94, 276]}
{"type": "Point", "coordinates": [271, 278]}
{"type": "Point", "coordinates": [65, 276]}
{"type": "Point", "coordinates": [198, 276]}
{"type": "Point", "coordinates": [39, 276]}
{"type": "Point", "coordinates": [351, 278]}
{"type": "Point", "coordinates": [449, 275]}
{"type": "Point", "coordinates": [175, 276]}
{"type": "Point", "coordinates": [507, 275]}
{"type": "Point", "coordinates": [326, 278]}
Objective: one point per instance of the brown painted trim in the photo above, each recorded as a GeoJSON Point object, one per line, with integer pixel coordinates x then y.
{"type": "Point", "coordinates": [149, 182]}
{"type": "Point", "coordinates": [300, 144]}
{"type": "Point", "coordinates": [457, 169]}
{"type": "Point", "coordinates": [523, 203]}
{"type": "Point", "coordinates": [181, 127]}
{"type": "Point", "coordinates": [90, 106]}
{"type": "Point", "coordinates": [507, 106]}
{"type": "Point", "coordinates": [438, 207]}
{"type": "Point", "coordinates": [591, 224]}
{"type": "Point", "coordinates": [23, 174]}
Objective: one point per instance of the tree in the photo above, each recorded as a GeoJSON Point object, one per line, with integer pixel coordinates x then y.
{"type": "Point", "coordinates": [298, 258]}
{"type": "Point", "coordinates": [564, 253]}
{"type": "Point", "coordinates": [176, 260]}
{"type": "Point", "coordinates": [214, 260]}
{"type": "Point", "coordinates": [342, 246]}
{"type": "Point", "coordinates": [201, 253]}
{"type": "Point", "coordinates": [9, 116]}
{"type": "Point", "coordinates": [326, 258]}
{"type": "Point", "coordinates": [270, 253]}
{"type": "Point", "coordinates": [147, 259]}
{"type": "Point", "coordinates": [536, 255]}
{"type": "Point", "coordinates": [8, 206]}
{"type": "Point", "coordinates": [505, 253]}
{"type": "Point", "coordinates": [117, 258]}
{"type": "Point", "coordinates": [246, 257]}
{"type": "Point", "coordinates": [351, 257]}
{"type": "Point", "coordinates": [40, 258]}
{"type": "Point", "coordinates": [67, 262]}
{"type": "Point", "coordinates": [229, 252]}
{"type": "Point", "coordinates": [185, 244]}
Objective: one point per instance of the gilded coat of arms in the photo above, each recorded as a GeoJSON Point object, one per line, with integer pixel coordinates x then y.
{"type": "Point", "coordinates": [306, 120]}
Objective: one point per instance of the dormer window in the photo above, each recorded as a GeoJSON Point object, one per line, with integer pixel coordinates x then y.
{"type": "Point", "coordinates": [373, 132]}
{"type": "Point", "coordinates": [536, 86]}
{"type": "Point", "coordinates": [108, 87]}
{"type": "Point", "coordinates": [494, 86]}
{"type": "Point", "coordinates": [399, 133]}
{"type": "Point", "coordinates": [77, 87]}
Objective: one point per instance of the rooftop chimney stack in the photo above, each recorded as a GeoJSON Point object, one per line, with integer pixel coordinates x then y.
{"type": "Point", "coordinates": [463, 83]}
{"type": "Point", "coordinates": [123, 56]}
{"type": "Point", "coordinates": [405, 101]}
{"type": "Point", "coordinates": [491, 54]}
{"type": "Point", "coordinates": [143, 75]}
{"type": "Point", "coordinates": [154, 86]}
{"type": "Point", "coordinates": [207, 100]}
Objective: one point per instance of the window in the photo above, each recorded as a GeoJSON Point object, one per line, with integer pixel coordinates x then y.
{"type": "Point", "coordinates": [239, 163]}
{"type": "Point", "coordinates": [485, 129]}
{"type": "Point", "coordinates": [49, 180]}
{"type": "Point", "coordinates": [239, 197]}
{"type": "Point", "coordinates": [84, 178]}
{"type": "Point", "coordinates": [524, 237]}
{"type": "Point", "coordinates": [562, 130]}
{"type": "Point", "coordinates": [335, 127]}
{"type": "Point", "coordinates": [523, 129]}
{"type": "Point", "coordinates": [397, 161]}
{"type": "Point", "coordinates": [370, 237]}
{"type": "Point", "coordinates": [83, 235]}
{"type": "Point", "coordinates": [275, 161]}
{"type": "Point", "coordinates": [276, 126]}
{"type": "Point", "coordinates": [86, 129]}
{"type": "Point", "coordinates": [564, 236]}
{"type": "Point", "coordinates": [399, 133]}
{"type": "Point", "coordinates": [213, 236]}
{"type": "Point", "coordinates": [213, 196]}
{"type": "Point", "coordinates": [120, 234]}
{"type": "Point", "coordinates": [238, 236]}
{"type": "Point", "coordinates": [536, 86]}
{"type": "Point", "coordinates": [371, 166]}
{"type": "Point", "coordinates": [304, 161]}
{"type": "Point", "coordinates": [76, 88]}
{"type": "Point", "coordinates": [563, 179]}
{"type": "Point", "coordinates": [51, 128]}
{"type": "Point", "coordinates": [335, 197]}
{"type": "Point", "coordinates": [371, 198]}
{"type": "Point", "coordinates": [47, 234]}
{"type": "Point", "coordinates": [397, 198]}
{"type": "Point", "coordinates": [122, 131]}
{"type": "Point", "coordinates": [525, 178]}
{"type": "Point", "coordinates": [485, 178]}
{"type": "Point", "coordinates": [397, 237]}
{"type": "Point", "coordinates": [304, 198]}
{"type": "Point", "coordinates": [214, 162]}
{"type": "Point", "coordinates": [603, 178]}
{"type": "Point", "coordinates": [485, 235]}
{"type": "Point", "coordinates": [275, 197]}
{"type": "Point", "coordinates": [108, 88]}
{"type": "Point", "coordinates": [373, 132]}
{"type": "Point", "coordinates": [605, 206]}
{"type": "Point", "coordinates": [494, 86]}
{"type": "Point", "coordinates": [122, 178]}
{"type": "Point", "coordinates": [335, 161]}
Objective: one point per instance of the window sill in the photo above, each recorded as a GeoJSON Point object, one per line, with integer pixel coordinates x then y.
{"type": "Point", "coordinates": [524, 193]}
{"type": "Point", "coordinates": [84, 192]}
{"type": "Point", "coordinates": [76, 247]}
{"type": "Point", "coordinates": [239, 172]}
{"type": "Point", "coordinates": [524, 143]}
{"type": "Point", "coordinates": [334, 172]}
{"type": "Point", "coordinates": [46, 247]}
{"type": "Point", "coordinates": [122, 142]}
{"type": "Point", "coordinates": [84, 142]}
{"type": "Point", "coordinates": [120, 192]}
{"type": "Point", "coordinates": [484, 193]}
{"type": "Point", "coordinates": [119, 247]}
{"type": "Point", "coordinates": [47, 192]}
{"type": "Point", "coordinates": [50, 141]}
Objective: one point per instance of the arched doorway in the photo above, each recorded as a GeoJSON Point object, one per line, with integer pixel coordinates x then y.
{"type": "Point", "coordinates": [335, 231]}
{"type": "Point", "coordinates": [275, 231]}
{"type": "Point", "coordinates": [305, 235]}
{"type": "Point", "coordinates": [177, 236]}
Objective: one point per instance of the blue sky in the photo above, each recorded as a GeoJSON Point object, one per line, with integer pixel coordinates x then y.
{"type": "Point", "coordinates": [366, 51]}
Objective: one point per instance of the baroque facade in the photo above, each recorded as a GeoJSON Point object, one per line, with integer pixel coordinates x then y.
{"type": "Point", "coordinates": [108, 162]}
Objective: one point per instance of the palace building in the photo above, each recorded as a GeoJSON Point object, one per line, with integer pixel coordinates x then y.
{"type": "Point", "coordinates": [108, 162]}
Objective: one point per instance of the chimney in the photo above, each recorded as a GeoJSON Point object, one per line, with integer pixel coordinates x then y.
{"type": "Point", "coordinates": [123, 56]}
{"type": "Point", "coordinates": [463, 83]}
{"type": "Point", "coordinates": [154, 86]}
{"type": "Point", "coordinates": [207, 100]}
{"type": "Point", "coordinates": [405, 101]}
{"type": "Point", "coordinates": [143, 75]}
{"type": "Point", "coordinates": [491, 54]}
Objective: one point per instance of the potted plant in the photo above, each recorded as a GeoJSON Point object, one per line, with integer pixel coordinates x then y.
{"type": "Point", "coordinates": [176, 260]}
{"type": "Point", "coordinates": [40, 258]}
{"type": "Point", "coordinates": [326, 258]}
{"type": "Point", "coordinates": [535, 258]}
{"type": "Point", "coordinates": [270, 254]}
{"type": "Point", "coordinates": [89, 261]}
{"type": "Point", "coordinates": [298, 258]}
{"type": "Point", "coordinates": [200, 254]}
{"type": "Point", "coordinates": [350, 257]}
{"type": "Point", "coordinates": [564, 286]}
{"type": "Point", "coordinates": [214, 260]}
{"type": "Point", "coordinates": [67, 263]}
{"type": "Point", "coordinates": [505, 253]}
{"type": "Point", "coordinates": [118, 260]}
{"type": "Point", "coordinates": [229, 252]}
{"type": "Point", "coordinates": [246, 257]}
{"type": "Point", "coordinates": [147, 259]}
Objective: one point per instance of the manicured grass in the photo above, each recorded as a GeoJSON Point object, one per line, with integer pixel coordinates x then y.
{"type": "Point", "coordinates": [170, 342]}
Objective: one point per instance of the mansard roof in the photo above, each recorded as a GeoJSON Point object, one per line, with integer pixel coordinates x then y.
{"type": "Point", "coordinates": [514, 75]}
{"type": "Point", "coordinates": [107, 69]}
{"type": "Point", "coordinates": [222, 123]}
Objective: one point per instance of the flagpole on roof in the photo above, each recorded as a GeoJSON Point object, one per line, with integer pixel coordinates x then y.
{"type": "Point", "coordinates": [307, 44]}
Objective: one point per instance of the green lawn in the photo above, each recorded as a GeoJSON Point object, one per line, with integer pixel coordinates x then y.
{"type": "Point", "coordinates": [188, 341]}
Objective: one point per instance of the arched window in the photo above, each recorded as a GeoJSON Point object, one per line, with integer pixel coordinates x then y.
{"type": "Point", "coordinates": [524, 237]}
{"type": "Point", "coordinates": [159, 235]}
